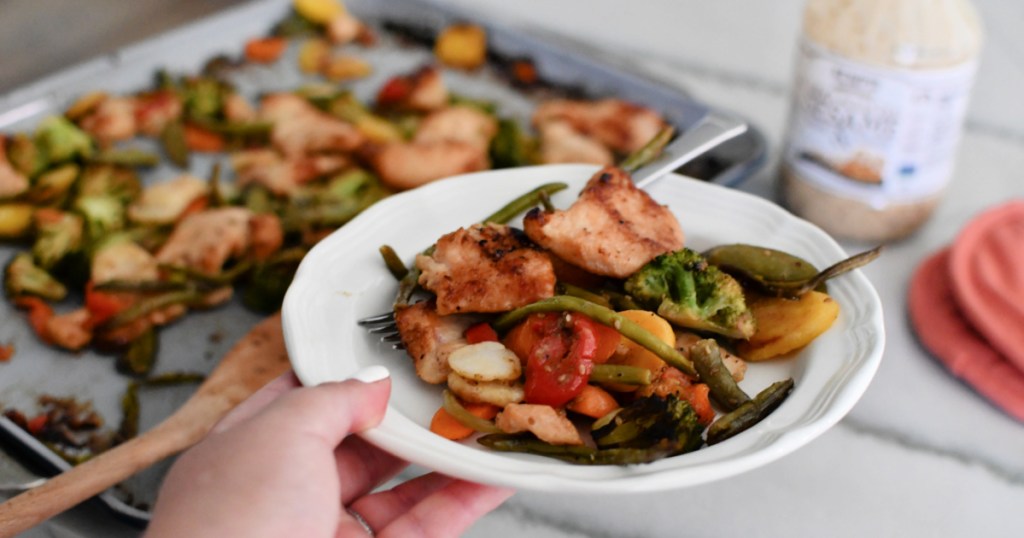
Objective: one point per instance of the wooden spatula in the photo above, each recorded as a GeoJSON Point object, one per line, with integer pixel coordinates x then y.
{"type": "Point", "coordinates": [256, 359]}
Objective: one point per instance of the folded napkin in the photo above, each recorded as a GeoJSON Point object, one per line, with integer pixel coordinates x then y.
{"type": "Point", "coordinates": [966, 304]}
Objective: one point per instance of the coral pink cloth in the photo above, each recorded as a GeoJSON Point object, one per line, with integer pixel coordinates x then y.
{"type": "Point", "coordinates": [986, 265]}
{"type": "Point", "coordinates": [944, 331]}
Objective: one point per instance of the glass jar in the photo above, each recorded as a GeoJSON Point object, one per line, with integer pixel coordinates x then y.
{"type": "Point", "coordinates": [879, 98]}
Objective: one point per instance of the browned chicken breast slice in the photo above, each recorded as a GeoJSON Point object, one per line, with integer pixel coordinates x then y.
{"type": "Point", "coordinates": [300, 128]}
{"type": "Point", "coordinates": [544, 421]}
{"type": "Point", "coordinates": [560, 143]}
{"type": "Point", "coordinates": [206, 240]}
{"type": "Point", "coordinates": [486, 268]}
{"type": "Point", "coordinates": [112, 120]}
{"type": "Point", "coordinates": [70, 331]}
{"type": "Point", "coordinates": [429, 338]}
{"type": "Point", "coordinates": [457, 124]}
{"type": "Point", "coordinates": [403, 166]}
{"type": "Point", "coordinates": [282, 176]}
{"type": "Point", "coordinates": [613, 229]}
{"type": "Point", "coordinates": [622, 126]}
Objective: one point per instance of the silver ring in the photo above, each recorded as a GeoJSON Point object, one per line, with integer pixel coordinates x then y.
{"type": "Point", "coordinates": [362, 521]}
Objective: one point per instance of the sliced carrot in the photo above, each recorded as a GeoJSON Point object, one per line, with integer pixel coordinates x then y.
{"type": "Point", "coordinates": [265, 50]}
{"type": "Point", "coordinates": [481, 332]}
{"type": "Point", "coordinates": [199, 139]}
{"type": "Point", "coordinates": [39, 314]}
{"type": "Point", "coordinates": [447, 426]}
{"type": "Point", "coordinates": [593, 402]}
{"type": "Point", "coordinates": [102, 305]}
{"type": "Point", "coordinates": [6, 352]}
{"type": "Point", "coordinates": [698, 398]}
{"type": "Point", "coordinates": [608, 339]}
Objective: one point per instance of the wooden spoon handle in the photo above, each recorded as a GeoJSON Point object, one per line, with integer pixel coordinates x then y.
{"type": "Point", "coordinates": [253, 361]}
{"type": "Point", "coordinates": [91, 478]}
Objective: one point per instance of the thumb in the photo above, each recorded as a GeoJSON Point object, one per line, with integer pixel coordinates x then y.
{"type": "Point", "coordinates": [333, 410]}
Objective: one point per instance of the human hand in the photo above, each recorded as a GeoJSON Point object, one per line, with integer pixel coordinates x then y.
{"type": "Point", "coordinates": [284, 463]}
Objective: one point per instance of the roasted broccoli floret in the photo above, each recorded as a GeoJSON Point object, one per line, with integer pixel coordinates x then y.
{"type": "Point", "coordinates": [62, 141]}
{"type": "Point", "coordinates": [691, 293]}
{"type": "Point", "coordinates": [24, 155]}
{"type": "Point", "coordinates": [654, 423]}
{"type": "Point", "coordinates": [23, 277]}
{"type": "Point", "coordinates": [57, 234]}
{"type": "Point", "coordinates": [103, 213]}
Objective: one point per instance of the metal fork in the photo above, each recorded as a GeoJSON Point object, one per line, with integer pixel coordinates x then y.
{"type": "Point", "coordinates": [714, 129]}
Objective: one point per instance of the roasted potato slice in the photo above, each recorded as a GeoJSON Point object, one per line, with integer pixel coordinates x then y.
{"type": "Point", "coordinates": [785, 325]}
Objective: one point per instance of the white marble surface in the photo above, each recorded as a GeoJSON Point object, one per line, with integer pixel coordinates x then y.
{"type": "Point", "coordinates": [921, 454]}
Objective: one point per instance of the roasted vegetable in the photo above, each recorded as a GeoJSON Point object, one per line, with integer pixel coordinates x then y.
{"type": "Point", "coordinates": [15, 220]}
{"type": "Point", "coordinates": [708, 360]}
{"type": "Point", "coordinates": [140, 356]}
{"type": "Point", "coordinates": [106, 179]}
{"type": "Point", "coordinates": [651, 423]}
{"type": "Point", "coordinates": [511, 146]}
{"type": "Point", "coordinates": [689, 292]}
{"type": "Point", "coordinates": [24, 155]}
{"type": "Point", "coordinates": [785, 325]}
{"type": "Point", "coordinates": [53, 187]}
{"type": "Point", "coordinates": [462, 45]}
{"type": "Point", "coordinates": [779, 273]}
{"type": "Point", "coordinates": [751, 412]}
{"type": "Point", "coordinates": [57, 235]}
{"type": "Point", "coordinates": [23, 277]}
{"type": "Point", "coordinates": [103, 214]}
{"type": "Point", "coordinates": [62, 141]}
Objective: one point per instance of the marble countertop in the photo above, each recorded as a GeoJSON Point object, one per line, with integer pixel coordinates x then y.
{"type": "Point", "coordinates": [921, 454]}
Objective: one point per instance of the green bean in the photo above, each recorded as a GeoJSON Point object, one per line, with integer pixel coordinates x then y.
{"type": "Point", "coordinates": [140, 356]}
{"type": "Point", "coordinates": [510, 210]}
{"type": "Point", "coordinates": [141, 286]}
{"type": "Point", "coordinates": [580, 454]}
{"type": "Point", "coordinates": [407, 286]}
{"type": "Point", "coordinates": [621, 301]}
{"type": "Point", "coordinates": [129, 426]}
{"type": "Point", "coordinates": [218, 279]}
{"type": "Point", "coordinates": [151, 304]}
{"type": "Point", "coordinates": [751, 412]}
{"type": "Point", "coordinates": [753, 262]}
{"type": "Point", "coordinates": [604, 316]}
{"type": "Point", "coordinates": [649, 151]}
{"type": "Point", "coordinates": [172, 139]}
{"type": "Point", "coordinates": [131, 157]}
{"type": "Point", "coordinates": [620, 373]}
{"type": "Point", "coordinates": [707, 358]}
{"type": "Point", "coordinates": [796, 289]}
{"type": "Point", "coordinates": [467, 419]}
{"type": "Point", "coordinates": [394, 264]}
{"type": "Point", "coordinates": [565, 288]}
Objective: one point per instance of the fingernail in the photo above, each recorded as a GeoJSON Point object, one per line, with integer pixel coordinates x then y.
{"type": "Point", "coordinates": [371, 374]}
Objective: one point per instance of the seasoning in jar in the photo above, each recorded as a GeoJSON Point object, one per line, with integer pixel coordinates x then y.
{"type": "Point", "coordinates": [879, 98]}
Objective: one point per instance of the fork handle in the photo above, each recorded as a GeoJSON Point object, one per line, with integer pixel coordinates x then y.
{"type": "Point", "coordinates": [713, 129]}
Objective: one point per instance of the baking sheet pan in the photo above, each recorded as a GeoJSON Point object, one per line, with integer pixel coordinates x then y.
{"type": "Point", "coordinates": [194, 343]}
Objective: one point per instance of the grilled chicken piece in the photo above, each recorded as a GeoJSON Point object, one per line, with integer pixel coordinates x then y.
{"type": "Point", "coordinates": [544, 421]}
{"type": "Point", "coordinates": [486, 268]}
{"type": "Point", "coordinates": [613, 229]}
{"type": "Point", "coordinates": [457, 124]}
{"type": "Point", "coordinates": [301, 129]}
{"type": "Point", "coordinates": [403, 166]}
{"type": "Point", "coordinates": [206, 240]}
{"type": "Point", "coordinates": [111, 121]}
{"type": "Point", "coordinates": [125, 261]}
{"type": "Point", "coordinates": [621, 126]}
{"type": "Point", "coordinates": [70, 331]}
{"type": "Point", "coordinates": [238, 109]}
{"type": "Point", "coordinates": [429, 338]}
{"type": "Point", "coordinates": [164, 202]}
{"type": "Point", "coordinates": [560, 143]}
{"type": "Point", "coordinates": [281, 177]}
{"type": "Point", "coordinates": [266, 236]}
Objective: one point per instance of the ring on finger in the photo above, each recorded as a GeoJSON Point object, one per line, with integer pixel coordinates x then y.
{"type": "Point", "coordinates": [362, 521]}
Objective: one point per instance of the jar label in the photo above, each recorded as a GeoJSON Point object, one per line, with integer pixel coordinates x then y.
{"type": "Point", "coordinates": [874, 134]}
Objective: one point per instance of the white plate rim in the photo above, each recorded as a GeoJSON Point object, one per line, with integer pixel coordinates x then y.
{"type": "Point", "coordinates": [306, 330]}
